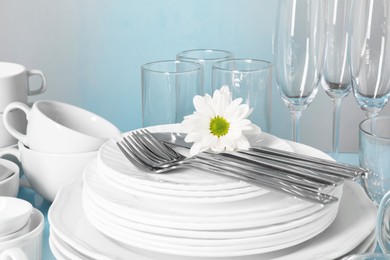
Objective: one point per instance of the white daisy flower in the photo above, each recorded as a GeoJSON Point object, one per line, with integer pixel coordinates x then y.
{"type": "Point", "coordinates": [219, 124]}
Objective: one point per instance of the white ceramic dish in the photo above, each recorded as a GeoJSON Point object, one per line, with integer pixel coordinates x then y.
{"type": "Point", "coordinates": [60, 248]}
{"type": "Point", "coordinates": [112, 162]}
{"type": "Point", "coordinates": [14, 214]}
{"type": "Point", "coordinates": [354, 222]}
{"type": "Point", "coordinates": [366, 246]}
{"type": "Point", "coordinates": [271, 204]}
{"type": "Point", "coordinates": [58, 254]}
{"type": "Point", "coordinates": [205, 230]}
{"type": "Point", "coordinates": [186, 246]}
{"type": "Point", "coordinates": [148, 214]}
{"type": "Point", "coordinates": [64, 250]}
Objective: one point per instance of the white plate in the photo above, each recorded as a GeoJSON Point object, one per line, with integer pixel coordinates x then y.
{"type": "Point", "coordinates": [188, 246]}
{"type": "Point", "coordinates": [56, 252]}
{"type": "Point", "coordinates": [271, 208]}
{"type": "Point", "coordinates": [203, 230]}
{"type": "Point", "coordinates": [354, 222]}
{"type": "Point", "coordinates": [64, 249]}
{"type": "Point", "coordinates": [112, 162]}
{"type": "Point", "coordinates": [144, 213]}
{"type": "Point", "coordinates": [364, 247]}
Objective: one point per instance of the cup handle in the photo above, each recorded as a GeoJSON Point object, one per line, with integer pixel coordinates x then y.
{"type": "Point", "coordinates": [13, 253]}
{"type": "Point", "coordinates": [15, 153]}
{"type": "Point", "coordinates": [15, 133]}
{"type": "Point", "coordinates": [381, 229]}
{"type": "Point", "coordinates": [43, 85]}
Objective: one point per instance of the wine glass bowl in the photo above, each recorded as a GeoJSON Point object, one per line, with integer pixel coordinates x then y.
{"type": "Point", "coordinates": [298, 47]}
{"type": "Point", "coordinates": [370, 54]}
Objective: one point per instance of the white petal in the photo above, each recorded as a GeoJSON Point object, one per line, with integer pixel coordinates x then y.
{"type": "Point", "coordinates": [251, 129]}
{"type": "Point", "coordinates": [242, 143]}
{"type": "Point", "coordinates": [197, 148]}
{"type": "Point", "coordinates": [234, 133]}
{"type": "Point", "coordinates": [233, 106]}
{"type": "Point", "coordinates": [201, 106]}
{"type": "Point", "coordinates": [240, 113]}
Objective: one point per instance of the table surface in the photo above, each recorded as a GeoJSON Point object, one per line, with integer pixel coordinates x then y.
{"type": "Point", "coordinates": [43, 205]}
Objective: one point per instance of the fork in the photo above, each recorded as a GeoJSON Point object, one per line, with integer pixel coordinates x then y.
{"type": "Point", "coordinates": [150, 155]}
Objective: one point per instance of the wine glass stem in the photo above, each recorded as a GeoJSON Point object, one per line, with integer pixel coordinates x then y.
{"type": "Point", "coordinates": [370, 114]}
{"type": "Point", "coordinates": [336, 127]}
{"type": "Point", "coordinates": [296, 116]}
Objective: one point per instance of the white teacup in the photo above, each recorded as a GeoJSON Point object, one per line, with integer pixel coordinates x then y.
{"type": "Point", "coordinates": [14, 83]}
{"type": "Point", "coordinates": [10, 186]}
{"type": "Point", "coordinates": [27, 246]}
{"type": "Point", "coordinates": [56, 127]}
{"type": "Point", "coordinates": [49, 172]}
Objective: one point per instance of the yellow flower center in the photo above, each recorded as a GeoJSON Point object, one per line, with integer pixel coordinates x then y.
{"type": "Point", "coordinates": [219, 126]}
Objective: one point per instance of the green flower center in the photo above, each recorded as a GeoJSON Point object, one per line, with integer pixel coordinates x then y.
{"type": "Point", "coordinates": [219, 126]}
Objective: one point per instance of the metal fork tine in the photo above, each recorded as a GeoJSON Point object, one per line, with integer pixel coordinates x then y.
{"type": "Point", "coordinates": [132, 158]}
{"type": "Point", "coordinates": [140, 146]}
{"type": "Point", "coordinates": [142, 154]}
{"type": "Point", "coordinates": [161, 147]}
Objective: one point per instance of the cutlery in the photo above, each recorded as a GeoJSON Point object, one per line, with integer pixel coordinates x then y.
{"type": "Point", "coordinates": [279, 159]}
{"type": "Point", "coordinates": [151, 155]}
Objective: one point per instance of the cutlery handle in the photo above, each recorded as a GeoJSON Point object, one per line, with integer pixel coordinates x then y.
{"type": "Point", "coordinates": [335, 168]}
{"type": "Point", "coordinates": [265, 181]}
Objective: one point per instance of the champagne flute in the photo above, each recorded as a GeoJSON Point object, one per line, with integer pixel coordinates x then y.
{"type": "Point", "coordinates": [298, 54]}
{"type": "Point", "coordinates": [370, 54]}
{"type": "Point", "coordinates": [336, 77]}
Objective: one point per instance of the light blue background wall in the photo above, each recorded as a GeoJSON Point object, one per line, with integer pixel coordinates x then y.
{"type": "Point", "coordinates": [91, 52]}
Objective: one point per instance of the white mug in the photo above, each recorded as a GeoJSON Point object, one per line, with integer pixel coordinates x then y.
{"type": "Point", "coordinates": [14, 83]}
{"type": "Point", "coordinates": [27, 246]}
{"type": "Point", "coordinates": [56, 127]}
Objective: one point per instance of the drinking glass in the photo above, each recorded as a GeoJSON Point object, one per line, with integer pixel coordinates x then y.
{"type": "Point", "coordinates": [251, 80]}
{"type": "Point", "coordinates": [206, 57]}
{"type": "Point", "coordinates": [370, 54]}
{"type": "Point", "coordinates": [298, 47]}
{"type": "Point", "coordinates": [336, 77]}
{"type": "Point", "coordinates": [168, 88]}
{"type": "Point", "coordinates": [374, 154]}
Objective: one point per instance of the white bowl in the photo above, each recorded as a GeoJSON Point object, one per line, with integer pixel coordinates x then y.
{"type": "Point", "coordinates": [10, 186]}
{"type": "Point", "coordinates": [14, 214]}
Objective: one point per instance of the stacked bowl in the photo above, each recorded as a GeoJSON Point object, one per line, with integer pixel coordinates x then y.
{"type": "Point", "coordinates": [59, 141]}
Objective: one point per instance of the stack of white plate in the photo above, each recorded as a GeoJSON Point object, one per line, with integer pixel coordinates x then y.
{"type": "Point", "coordinates": [118, 212]}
